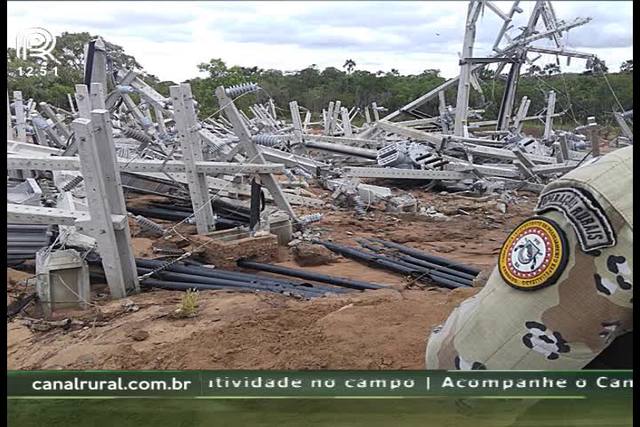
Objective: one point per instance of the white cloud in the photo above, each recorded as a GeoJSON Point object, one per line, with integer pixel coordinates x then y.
{"type": "Point", "coordinates": [170, 38]}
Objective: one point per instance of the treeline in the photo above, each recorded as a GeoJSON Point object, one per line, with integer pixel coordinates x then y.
{"type": "Point", "coordinates": [580, 95]}
{"type": "Point", "coordinates": [595, 92]}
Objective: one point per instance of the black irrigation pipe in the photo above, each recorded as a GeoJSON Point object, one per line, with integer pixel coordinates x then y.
{"type": "Point", "coordinates": [21, 257]}
{"type": "Point", "coordinates": [198, 281]}
{"type": "Point", "coordinates": [427, 257]}
{"type": "Point", "coordinates": [436, 267]}
{"type": "Point", "coordinates": [27, 228]}
{"type": "Point", "coordinates": [165, 214]}
{"type": "Point", "coordinates": [236, 276]}
{"type": "Point", "coordinates": [17, 306]}
{"type": "Point", "coordinates": [28, 244]}
{"type": "Point", "coordinates": [435, 275]}
{"type": "Point", "coordinates": [179, 286]}
{"type": "Point", "coordinates": [176, 207]}
{"type": "Point", "coordinates": [173, 215]}
{"type": "Point", "coordinates": [194, 278]}
{"type": "Point", "coordinates": [139, 190]}
{"type": "Point", "coordinates": [420, 273]}
{"type": "Point", "coordinates": [371, 258]}
{"type": "Point", "coordinates": [222, 222]}
{"type": "Point", "coordinates": [209, 272]}
{"type": "Point", "coordinates": [27, 237]}
{"type": "Point", "coordinates": [193, 262]}
{"type": "Point", "coordinates": [417, 262]}
{"type": "Point", "coordinates": [337, 281]}
{"type": "Point", "coordinates": [224, 209]}
{"type": "Point", "coordinates": [434, 270]}
{"type": "Point", "coordinates": [24, 251]}
{"type": "Point", "coordinates": [410, 261]}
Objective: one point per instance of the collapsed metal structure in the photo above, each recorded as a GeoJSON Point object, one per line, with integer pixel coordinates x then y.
{"type": "Point", "coordinates": [121, 136]}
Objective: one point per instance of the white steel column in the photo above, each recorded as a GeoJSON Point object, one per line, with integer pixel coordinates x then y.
{"type": "Point", "coordinates": [548, 124]}
{"type": "Point", "coordinates": [186, 124]}
{"type": "Point", "coordinates": [21, 121]}
{"type": "Point", "coordinates": [464, 83]}
{"type": "Point", "coordinates": [115, 249]}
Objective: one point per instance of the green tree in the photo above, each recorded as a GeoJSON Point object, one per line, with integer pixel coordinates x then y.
{"type": "Point", "coordinates": [580, 95]}
{"type": "Point", "coordinates": [61, 78]}
{"type": "Point", "coordinates": [350, 65]}
{"type": "Point", "coordinates": [551, 69]}
{"type": "Point", "coordinates": [595, 65]}
{"type": "Point", "coordinates": [486, 74]}
{"type": "Point", "coordinates": [627, 66]}
{"type": "Point", "coordinates": [534, 70]}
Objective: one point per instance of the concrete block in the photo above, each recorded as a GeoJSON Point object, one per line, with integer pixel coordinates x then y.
{"type": "Point", "coordinates": [223, 248]}
{"type": "Point", "coordinates": [280, 226]}
{"type": "Point", "coordinates": [62, 280]}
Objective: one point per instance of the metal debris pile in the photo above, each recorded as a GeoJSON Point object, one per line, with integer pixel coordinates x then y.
{"type": "Point", "coordinates": [244, 171]}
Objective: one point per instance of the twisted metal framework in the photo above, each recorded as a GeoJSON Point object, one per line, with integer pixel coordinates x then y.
{"type": "Point", "coordinates": [514, 52]}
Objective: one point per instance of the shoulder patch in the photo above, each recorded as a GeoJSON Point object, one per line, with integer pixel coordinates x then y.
{"type": "Point", "coordinates": [534, 254]}
{"type": "Point", "coordinates": [586, 215]}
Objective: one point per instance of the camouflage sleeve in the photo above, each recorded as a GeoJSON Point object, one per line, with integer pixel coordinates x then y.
{"type": "Point", "coordinates": [562, 290]}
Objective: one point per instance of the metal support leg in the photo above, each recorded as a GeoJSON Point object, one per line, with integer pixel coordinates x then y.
{"type": "Point", "coordinates": [376, 113]}
{"type": "Point", "coordinates": [21, 122]}
{"type": "Point", "coordinates": [97, 97]}
{"type": "Point", "coordinates": [115, 248]}
{"type": "Point", "coordinates": [521, 114]}
{"type": "Point", "coordinates": [83, 101]}
{"type": "Point", "coordinates": [105, 148]}
{"type": "Point", "coordinates": [157, 111]}
{"type": "Point", "coordinates": [39, 125]}
{"type": "Point", "coordinates": [327, 118]}
{"type": "Point", "coordinates": [297, 122]}
{"type": "Point", "coordinates": [334, 117]}
{"type": "Point", "coordinates": [72, 107]}
{"type": "Point", "coordinates": [10, 136]}
{"type": "Point", "coordinates": [464, 84]}
{"type": "Point", "coordinates": [563, 149]}
{"type": "Point", "coordinates": [98, 66]}
{"type": "Point", "coordinates": [186, 124]}
{"type": "Point", "coordinates": [548, 124]}
{"type": "Point", "coordinates": [133, 109]}
{"type": "Point", "coordinates": [57, 123]}
{"type": "Point", "coordinates": [307, 120]}
{"type": "Point", "coordinates": [442, 109]}
{"type": "Point", "coordinates": [254, 156]}
{"type": "Point", "coordinates": [272, 108]}
{"type": "Point", "coordinates": [624, 127]}
{"type": "Point", "coordinates": [594, 135]}
{"type": "Point", "coordinates": [346, 123]}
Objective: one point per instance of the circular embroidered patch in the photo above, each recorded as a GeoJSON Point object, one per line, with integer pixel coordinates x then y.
{"type": "Point", "coordinates": [534, 255]}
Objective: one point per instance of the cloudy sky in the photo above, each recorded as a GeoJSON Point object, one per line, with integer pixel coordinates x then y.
{"type": "Point", "coordinates": [170, 38]}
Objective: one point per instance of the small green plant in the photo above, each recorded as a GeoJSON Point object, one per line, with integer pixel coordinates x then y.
{"type": "Point", "coordinates": [189, 305]}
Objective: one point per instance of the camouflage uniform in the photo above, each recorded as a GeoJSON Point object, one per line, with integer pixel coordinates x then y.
{"type": "Point", "coordinates": [568, 321]}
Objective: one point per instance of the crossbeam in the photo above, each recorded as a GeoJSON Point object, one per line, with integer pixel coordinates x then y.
{"type": "Point", "coordinates": [26, 214]}
{"type": "Point", "coordinates": [68, 163]}
{"type": "Point", "coordinates": [396, 173]}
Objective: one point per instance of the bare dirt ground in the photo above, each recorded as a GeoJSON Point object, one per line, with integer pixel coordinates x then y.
{"type": "Point", "coordinates": [384, 329]}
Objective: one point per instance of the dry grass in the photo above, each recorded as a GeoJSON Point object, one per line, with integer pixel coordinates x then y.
{"type": "Point", "coordinates": [188, 305]}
